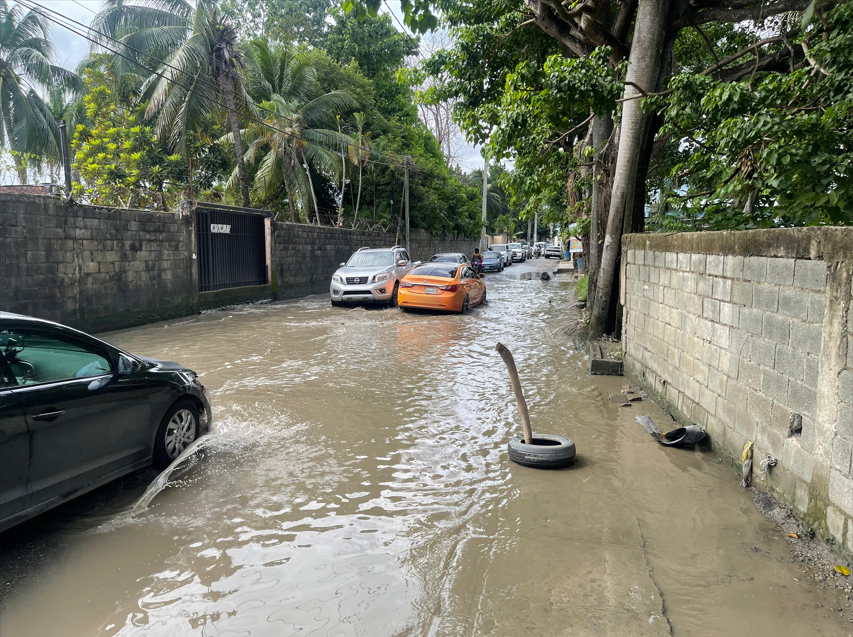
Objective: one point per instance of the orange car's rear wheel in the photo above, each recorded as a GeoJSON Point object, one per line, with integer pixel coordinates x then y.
{"type": "Point", "coordinates": [464, 309]}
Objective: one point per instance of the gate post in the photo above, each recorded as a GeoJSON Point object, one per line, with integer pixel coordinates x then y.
{"type": "Point", "coordinates": [269, 237]}
{"type": "Point", "coordinates": [193, 243]}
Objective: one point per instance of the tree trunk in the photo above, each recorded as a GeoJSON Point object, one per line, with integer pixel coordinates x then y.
{"type": "Point", "coordinates": [294, 215]}
{"type": "Point", "coordinates": [643, 70]}
{"type": "Point", "coordinates": [357, 199]}
{"type": "Point", "coordinates": [311, 185]}
{"type": "Point", "coordinates": [20, 168]}
{"type": "Point", "coordinates": [602, 184]}
{"type": "Point", "coordinates": [234, 124]}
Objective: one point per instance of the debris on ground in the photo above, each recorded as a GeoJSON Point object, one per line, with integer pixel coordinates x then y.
{"type": "Point", "coordinates": [678, 437]}
{"type": "Point", "coordinates": [807, 550]}
{"type": "Point", "coordinates": [746, 461]}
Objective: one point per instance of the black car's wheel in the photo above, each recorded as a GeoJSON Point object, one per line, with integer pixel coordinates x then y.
{"type": "Point", "coordinates": [178, 429]}
{"type": "Point", "coordinates": [546, 452]}
{"type": "Point", "coordinates": [464, 309]}
{"type": "Point", "coordinates": [394, 294]}
{"type": "Point", "coordinates": [484, 299]}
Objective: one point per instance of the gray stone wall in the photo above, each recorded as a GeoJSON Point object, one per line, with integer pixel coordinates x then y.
{"type": "Point", "coordinates": [101, 269]}
{"type": "Point", "coordinates": [306, 257]}
{"type": "Point", "coordinates": [747, 334]}
{"type": "Point", "coordinates": [94, 268]}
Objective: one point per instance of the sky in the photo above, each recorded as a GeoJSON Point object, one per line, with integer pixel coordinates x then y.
{"type": "Point", "coordinates": [72, 48]}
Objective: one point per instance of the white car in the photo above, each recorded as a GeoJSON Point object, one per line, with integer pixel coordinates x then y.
{"type": "Point", "coordinates": [553, 251]}
{"type": "Point", "coordinates": [505, 252]}
{"type": "Point", "coordinates": [370, 276]}
{"type": "Point", "coordinates": [518, 252]}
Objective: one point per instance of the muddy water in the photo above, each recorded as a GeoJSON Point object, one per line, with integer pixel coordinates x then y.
{"type": "Point", "coordinates": [357, 484]}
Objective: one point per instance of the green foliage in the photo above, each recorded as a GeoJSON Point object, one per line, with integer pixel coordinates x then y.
{"type": "Point", "coordinates": [773, 149]}
{"type": "Point", "coordinates": [582, 288]}
{"type": "Point", "coordinates": [117, 155]}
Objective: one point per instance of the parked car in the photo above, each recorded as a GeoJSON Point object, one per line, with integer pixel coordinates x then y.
{"type": "Point", "coordinates": [518, 253]}
{"type": "Point", "coordinates": [553, 251]}
{"type": "Point", "coordinates": [492, 261]}
{"type": "Point", "coordinates": [371, 275]}
{"type": "Point", "coordinates": [505, 252]}
{"type": "Point", "coordinates": [450, 257]}
{"type": "Point", "coordinates": [442, 286]}
{"type": "Point", "coordinates": [76, 413]}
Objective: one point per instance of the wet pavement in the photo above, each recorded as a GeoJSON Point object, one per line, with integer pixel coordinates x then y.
{"type": "Point", "coordinates": [357, 483]}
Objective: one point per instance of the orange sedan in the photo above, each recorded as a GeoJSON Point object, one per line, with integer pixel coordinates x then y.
{"type": "Point", "coordinates": [439, 285]}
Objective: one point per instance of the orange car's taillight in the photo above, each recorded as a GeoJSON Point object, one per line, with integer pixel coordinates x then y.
{"type": "Point", "coordinates": [406, 284]}
{"type": "Point", "coordinates": [448, 288]}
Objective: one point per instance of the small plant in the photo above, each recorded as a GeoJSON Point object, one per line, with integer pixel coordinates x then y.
{"type": "Point", "coordinates": [582, 288]}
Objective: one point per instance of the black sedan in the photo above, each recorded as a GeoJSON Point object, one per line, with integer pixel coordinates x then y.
{"type": "Point", "coordinates": [76, 412]}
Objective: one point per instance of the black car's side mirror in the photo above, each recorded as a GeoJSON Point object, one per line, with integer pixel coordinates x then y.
{"type": "Point", "coordinates": [127, 365]}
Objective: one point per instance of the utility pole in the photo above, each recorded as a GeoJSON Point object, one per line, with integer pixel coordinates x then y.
{"type": "Point", "coordinates": [406, 167]}
{"type": "Point", "coordinates": [536, 228]}
{"type": "Point", "coordinates": [485, 202]}
{"type": "Point", "coordinates": [529, 223]}
{"type": "Point", "coordinates": [66, 159]}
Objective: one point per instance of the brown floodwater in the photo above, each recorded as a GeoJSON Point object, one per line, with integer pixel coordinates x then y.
{"type": "Point", "coordinates": [357, 483]}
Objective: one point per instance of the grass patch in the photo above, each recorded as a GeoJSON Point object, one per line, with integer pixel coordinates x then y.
{"type": "Point", "coordinates": [582, 288]}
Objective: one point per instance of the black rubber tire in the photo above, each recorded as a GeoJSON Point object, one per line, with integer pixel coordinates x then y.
{"type": "Point", "coordinates": [552, 456]}
{"type": "Point", "coordinates": [161, 456]}
{"type": "Point", "coordinates": [464, 309]}
{"type": "Point", "coordinates": [393, 301]}
{"type": "Point", "coordinates": [484, 299]}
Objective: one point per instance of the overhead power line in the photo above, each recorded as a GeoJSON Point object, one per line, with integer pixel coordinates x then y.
{"type": "Point", "coordinates": [212, 89]}
{"type": "Point", "coordinates": [406, 33]}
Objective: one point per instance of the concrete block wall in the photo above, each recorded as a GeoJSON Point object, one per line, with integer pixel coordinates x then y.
{"type": "Point", "coordinates": [94, 268]}
{"type": "Point", "coordinates": [747, 334]}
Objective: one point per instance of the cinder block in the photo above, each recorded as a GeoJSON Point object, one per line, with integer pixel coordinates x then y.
{"type": "Point", "coordinates": [794, 303]}
{"type": "Point", "coordinates": [841, 491]}
{"type": "Point", "coordinates": [842, 451]}
{"type": "Point", "coordinates": [810, 274]}
{"type": "Point", "coordinates": [777, 328]}
{"type": "Point", "coordinates": [714, 264]}
{"type": "Point", "coordinates": [806, 337]}
{"type": "Point", "coordinates": [811, 372]}
{"type": "Point", "coordinates": [733, 267]}
{"type": "Point", "coordinates": [749, 374]}
{"type": "Point", "coordinates": [817, 307]}
{"type": "Point", "coordinates": [742, 293]}
{"type": "Point", "coordinates": [798, 460]}
{"type": "Point", "coordinates": [697, 263]}
{"type": "Point", "coordinates": [802, 399]}
{"type": "Point", "coordinates": [704, 284]}
{"type": "Point", "coordinates": [711, 309]}
{"type": "Point", "coordinates": [766, 297]}
{"type": "Point", "coordinates": [790, 362]}
{"type": "Point", "coordinates": [722, 289]}
{"type": "Point", "coordinates": [721, 335]}
{"type": "Point", "coordinates": [729, 314]}
{"type": "Point", "coordinates": [835, 522]}
{"type": "Point", "coordinates": [780, 271]}
{"type": "Point", "coordinates": [671, 260]}
{"type": "Point", "coordinates": [774, 385]}
{"type": "Point", "coordinates": [684, 261]}
{"type": "Point", "coordinates": [844, 428]}
{"type": "Point", "coordinates": [761, 351]}
{"type": "Point", "coordinates": [751, 320]}
{"type": "Point", "coordinates": [801, 496]}
{"type": "Point", "coordinates": [755, 269]}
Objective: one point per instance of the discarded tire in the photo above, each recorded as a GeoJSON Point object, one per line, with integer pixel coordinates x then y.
{"type": "Point", "coordinates": [546, 452]}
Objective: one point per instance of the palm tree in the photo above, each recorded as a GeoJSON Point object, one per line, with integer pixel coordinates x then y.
{"type": "Point", "coordinates": [27, 71]}
{"type": "Point", "coordinates": [300, 134]}
{"type": "Point", "coordinates": [201, 69]}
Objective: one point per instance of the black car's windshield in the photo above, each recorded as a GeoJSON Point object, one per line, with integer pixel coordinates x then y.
{"type": "Point", "coordinates": [491, 255]}
{"type": "Point", "coordinates": [370, 259]}
{"type": "Point", "coordinates": [435, 269]}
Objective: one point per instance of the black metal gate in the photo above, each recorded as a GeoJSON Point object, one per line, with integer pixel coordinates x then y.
{"type": "Point", "coordinates": [232, 249]}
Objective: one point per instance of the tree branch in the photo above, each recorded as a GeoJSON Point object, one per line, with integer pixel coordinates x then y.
{"type": "Point", "coordinates": [708, 43]}
{"type": "Point", "coordinates": [557, 29]}
{"type": "Point", "coordinates": [740, 13]}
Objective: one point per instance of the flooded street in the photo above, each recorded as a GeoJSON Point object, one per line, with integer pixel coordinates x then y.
{"type": "Point", "coordinates": [357, 483]}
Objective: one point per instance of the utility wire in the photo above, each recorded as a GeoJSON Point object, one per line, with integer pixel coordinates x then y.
{"type": "Point", "coordinates": [212, 89]}
{"type": "Point", "coordinates": [406, 33]}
